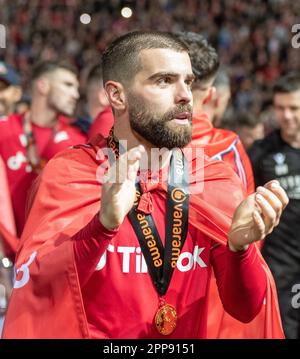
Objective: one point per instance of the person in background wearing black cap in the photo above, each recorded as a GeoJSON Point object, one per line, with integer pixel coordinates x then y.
{"type": "Point", "coordinates": [10, 89]}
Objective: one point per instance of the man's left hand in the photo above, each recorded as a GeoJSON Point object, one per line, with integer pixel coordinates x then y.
{"type": "Point", "coordinates": [257, 216]}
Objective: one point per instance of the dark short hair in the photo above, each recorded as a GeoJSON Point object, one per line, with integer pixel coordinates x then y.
{"type": "Point", "coordinates": [222, 79]}
{"type": "Point", "coordinates": [95, 75]}
{"type": "Point", "coordinates": [246, 119]}
{"type": "Point", "coordinates": [204, 58]}
{"type": "Point", "coordinates": [45, 67]}
{"type": "Point", "coordinates": [121, 58]}
{"type": "Point", "coordinates": [288, 83]}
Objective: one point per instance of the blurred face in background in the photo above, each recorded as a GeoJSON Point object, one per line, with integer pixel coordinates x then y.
{"type": "Point", "coordinates": [287, 110]}
{"type": "Point", "coordinates": [221, 100]}
{"type": "Point", "coordinates": [9, 96]}
{"type": "Point", "coordinates": [22, 107]}
{"type": "Point", "coordinates": [3, 108]}
{"type": "Point", "coordinates": [248, 134]}
{"type": "Point", "coordinates": [213, 100]}
{"type": "Point", "coordinates": [202, 95]}
{"type": "Point", "coordinates": [63, 91]}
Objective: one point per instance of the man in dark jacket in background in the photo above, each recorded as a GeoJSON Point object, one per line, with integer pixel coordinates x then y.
{"type": "Point", "coordinates": [278, 157]}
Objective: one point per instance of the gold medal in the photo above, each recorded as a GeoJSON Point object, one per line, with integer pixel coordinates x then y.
{"type": "Point", "coordinates": [165, 319]}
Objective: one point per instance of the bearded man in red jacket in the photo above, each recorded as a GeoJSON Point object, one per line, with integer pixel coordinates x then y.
{"type": "Point", "coordinates": [136, 262]}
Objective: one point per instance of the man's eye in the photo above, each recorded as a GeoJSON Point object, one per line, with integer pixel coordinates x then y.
{"type": "Point", "coordinates": [189, 82]}
{"type": "Point", "coordinates": [295, 108]}
{"type": "Point", "coordinates": [164, 80]}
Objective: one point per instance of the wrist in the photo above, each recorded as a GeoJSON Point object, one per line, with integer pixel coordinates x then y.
{"type": "Point", "coordinates": [106, 223]}
{"type": "Point", "coordinates": [237, 247]}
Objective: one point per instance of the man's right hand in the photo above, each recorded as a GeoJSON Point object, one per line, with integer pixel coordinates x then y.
{"type": "Point", "coordinates": [118, 189]}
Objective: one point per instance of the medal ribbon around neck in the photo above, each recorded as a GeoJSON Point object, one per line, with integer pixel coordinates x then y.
{"type": "Point", "coordinates": [32, 153]}
{"type": "Point", "coordinates": [161, 261]}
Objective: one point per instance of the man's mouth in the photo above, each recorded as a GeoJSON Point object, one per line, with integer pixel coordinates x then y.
{"type": "Point", "coordinates": [182, 118]}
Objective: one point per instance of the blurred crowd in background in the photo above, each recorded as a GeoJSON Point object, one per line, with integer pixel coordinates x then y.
{"type": "Point", "coordinates": [253, 38]}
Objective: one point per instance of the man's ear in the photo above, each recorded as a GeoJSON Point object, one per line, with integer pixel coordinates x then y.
{"type": "Point", "coordinates": [210, 95]}
{"type": "Point", "coordinates": [115, 94]}
{"type": "Point", "coordinates": [17, 93]}
{"type": "Point", "coordinates": [43, 86]}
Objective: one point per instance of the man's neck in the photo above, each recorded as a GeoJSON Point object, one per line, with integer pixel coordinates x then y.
{"type": "Point", "coordinates": [293, 141]}
{"type": "Point", "coordinates": [209, 111]}
{"type": "Point", "coordinates": [42, 116]}
{"type": "Point", "coordinates": [197, 106]}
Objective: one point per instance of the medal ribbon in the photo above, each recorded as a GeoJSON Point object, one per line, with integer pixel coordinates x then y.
{"type": "Point", "coordinates": [33, 158]}
{"type": "Point", "coordinates": [162, 261]}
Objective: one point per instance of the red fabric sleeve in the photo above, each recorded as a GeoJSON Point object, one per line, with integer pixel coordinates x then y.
{"type": "Point", "coordinates": [89, 245]}
{"type": "Point", "coordinates": [241, 281]}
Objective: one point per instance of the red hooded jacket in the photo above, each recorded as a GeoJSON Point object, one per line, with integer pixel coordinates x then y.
{"type": "Point", "coordinates": [48, 302]}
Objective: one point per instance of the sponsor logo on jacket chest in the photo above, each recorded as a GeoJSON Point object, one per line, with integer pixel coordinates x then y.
{"type": "Point", "coordinates": [133, 259]}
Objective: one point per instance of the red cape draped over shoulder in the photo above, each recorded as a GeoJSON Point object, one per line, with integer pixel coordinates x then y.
{"type": "Point", "coordinates": [67, 198]}
{"type": "Point", "coordinates": [226, 145]}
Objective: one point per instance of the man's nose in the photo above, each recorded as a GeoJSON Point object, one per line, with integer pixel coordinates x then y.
{"type": "Point", "coordinates": [287, 113]}
{"type": "Point", "coordinates": [75, 93]}
{"type": "Point", "coordinates": [183, 93]}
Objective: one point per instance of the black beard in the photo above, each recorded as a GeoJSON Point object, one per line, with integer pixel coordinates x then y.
{"type": "Point", "coordinates": [156, 129]}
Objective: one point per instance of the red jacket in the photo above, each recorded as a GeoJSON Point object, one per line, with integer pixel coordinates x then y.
{"type": "Point", "coordinates": [47, 301]}
{"type": "Point", "coordinates": [102, 123]}
{"type": "Point", "coordinates": [223, 145]}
